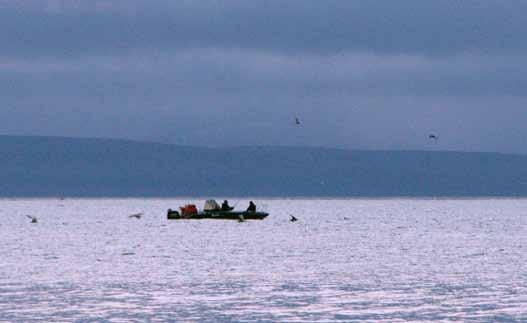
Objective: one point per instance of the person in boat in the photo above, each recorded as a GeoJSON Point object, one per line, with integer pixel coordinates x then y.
{"type": "Point", "coordinates": [252, 207]}
{"type": "Point", "coordinates": [225, 206]}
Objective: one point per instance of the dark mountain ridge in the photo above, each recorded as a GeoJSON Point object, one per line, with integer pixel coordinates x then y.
{"type": "Point", "coordinates": [54, 166]}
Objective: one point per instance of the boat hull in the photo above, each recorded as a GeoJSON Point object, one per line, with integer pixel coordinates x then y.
{"type": "Point", "coordinates": [218, 215]}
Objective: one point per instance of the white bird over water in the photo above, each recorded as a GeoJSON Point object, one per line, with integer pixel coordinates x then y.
{"type": "Point", "coordinates": [33, 219]}
{"type": "Point", "coordinates": [136, 215]}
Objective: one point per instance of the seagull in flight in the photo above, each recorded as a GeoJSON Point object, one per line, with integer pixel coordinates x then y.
{"type": "Point", "coordinates": [434, 137]}
{"type": "Point", "coordinates": [33, 219]}
{"type": "Point", "coordinates": [136, 215]}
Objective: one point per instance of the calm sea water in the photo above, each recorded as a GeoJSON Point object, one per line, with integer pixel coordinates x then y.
{"type": "Point", "coordinates": [349, 260]}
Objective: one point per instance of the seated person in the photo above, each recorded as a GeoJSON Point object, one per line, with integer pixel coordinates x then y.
{"type": "Point", "coordinates": [225, 206]}
{"type": "Point", "coordinates": [252, 207]}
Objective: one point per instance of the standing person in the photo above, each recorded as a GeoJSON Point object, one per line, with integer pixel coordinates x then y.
{"type": "Point", "coordinates": [252, 207]}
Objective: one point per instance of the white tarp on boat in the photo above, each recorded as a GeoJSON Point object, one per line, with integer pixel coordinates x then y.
{"type": "Point", "coordinates": [211, 205]}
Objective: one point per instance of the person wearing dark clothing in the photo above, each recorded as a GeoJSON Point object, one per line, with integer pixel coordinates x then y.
{"type": "Point", "coordinates": [252, 207]}
{"type": "Point", "coordinates": [225, 206]}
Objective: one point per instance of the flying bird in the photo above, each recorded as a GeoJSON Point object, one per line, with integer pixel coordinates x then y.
{"type": "Point", "coordinates": [434, 137]}
{"type": "Point", "coordinates": [297, 121]}
{"type": "Point", "coordinates": [293, 219]}
{"type": "Point", "coordinates": [33, 219]}
{"type": "Point", "coordinates": [136, 215]}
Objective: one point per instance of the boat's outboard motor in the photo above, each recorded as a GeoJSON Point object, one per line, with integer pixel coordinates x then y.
{"type": "Point", "coordinates": [173, 215]}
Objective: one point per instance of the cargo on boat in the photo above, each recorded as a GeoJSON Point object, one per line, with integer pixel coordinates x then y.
{"type": "Point", "coordinates": [213, 211]}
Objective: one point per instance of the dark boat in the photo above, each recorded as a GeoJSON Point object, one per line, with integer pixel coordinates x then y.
{"type": "Point", "coordinates": [219, 215]}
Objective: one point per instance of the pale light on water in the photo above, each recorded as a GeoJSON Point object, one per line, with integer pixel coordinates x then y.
{"type": "Point", "coordinates": [378, 260]}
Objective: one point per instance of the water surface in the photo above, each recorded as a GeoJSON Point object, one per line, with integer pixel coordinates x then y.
{"type": "Point", "coordinates": [349, 260]}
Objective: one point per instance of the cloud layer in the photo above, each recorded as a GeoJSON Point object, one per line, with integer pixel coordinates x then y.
{"type": "Point", "coordinates": [360, 74]}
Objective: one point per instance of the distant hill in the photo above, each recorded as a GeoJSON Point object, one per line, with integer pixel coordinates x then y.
{"type": "Point", "coordinates": [48, 166]}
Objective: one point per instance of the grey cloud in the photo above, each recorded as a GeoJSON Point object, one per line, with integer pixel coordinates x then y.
{"type": "Point", "coordinates": [361, 74]}
{"type": "Point", "coordinates": [235, 97]}
{"type": "Point", "coordinates": [307, 27]}
{"type": "Point", "coordinates": [250, 72]}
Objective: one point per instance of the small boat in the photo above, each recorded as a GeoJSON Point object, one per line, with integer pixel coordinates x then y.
{"type": "Point", "coordinates": [219, 215]}
{"type": "Point", "coordinates": [211, 211]}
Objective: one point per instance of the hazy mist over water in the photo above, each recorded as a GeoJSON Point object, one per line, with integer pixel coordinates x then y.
{"type": "Point", "coordinates": [345, 259]}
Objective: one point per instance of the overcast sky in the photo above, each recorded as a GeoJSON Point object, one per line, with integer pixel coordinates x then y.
{"type": "Point", "coordinates": [371, 74]}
